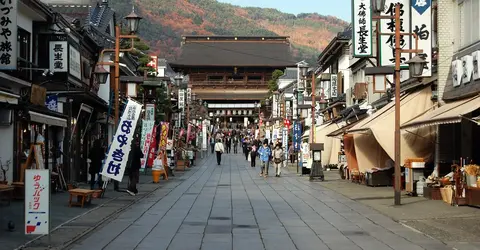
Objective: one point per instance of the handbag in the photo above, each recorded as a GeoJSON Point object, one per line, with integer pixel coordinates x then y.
{"type": "Point", "coordinates": [249, 158]}
{"type": "Point", "coordinates": [277, 160]}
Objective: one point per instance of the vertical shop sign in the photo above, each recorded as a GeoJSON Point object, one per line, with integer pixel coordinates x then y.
{"type": "Point", "coordinates": [387, 43]}
{"type": "Point", "coordinates": [58, 58]}
{"type": "Point", "coordinates": [8, 34]}
{"type": "Point", "coordinates": [37, 201]}
{"type": "Point", "coordinates": [362, 28]}
{"type": "Point", "coordinates": [163, 136]}
{"type": "Point", "coordinates": [422, 27]}
{"type": "Point", "coordinates": [333, 85]}
{"type": "Point", "coordinates": [150, 112]}
{"type": "Point", "coordinates": [117, 157]}
{"type": "Point", "coordinates": [285, 142]}
{"type": "Point", "coordinates": [146, 140]}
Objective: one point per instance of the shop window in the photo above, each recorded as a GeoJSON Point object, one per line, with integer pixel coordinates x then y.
{"type": "Point", "coordinates": [23, 44]}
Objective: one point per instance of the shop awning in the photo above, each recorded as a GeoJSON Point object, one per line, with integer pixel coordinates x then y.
{"type": "Point", "coordinates": [47, 119]}
{"type": "Point", "coordinates": [342, 130]}
{"type": "Point", "coordinates": [448, 113]}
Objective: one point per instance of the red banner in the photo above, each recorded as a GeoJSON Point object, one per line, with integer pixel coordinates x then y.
{"type": "Point", "coordinates": [163, 136]}
{"type": "Point", "coordinates": [153, 147]}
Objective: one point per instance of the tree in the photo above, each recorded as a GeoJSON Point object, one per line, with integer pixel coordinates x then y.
{"type": "Point", "coordinates": [273, 83]}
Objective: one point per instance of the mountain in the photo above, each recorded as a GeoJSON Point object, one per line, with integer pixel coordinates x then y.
{"type": "Point", "coordinates": [165, 21]}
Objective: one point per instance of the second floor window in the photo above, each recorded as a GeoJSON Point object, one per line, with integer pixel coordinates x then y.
{"type": "Point", "coordinates": [468, 22]}
{"type": "Point", "coordinates": [23, 45]}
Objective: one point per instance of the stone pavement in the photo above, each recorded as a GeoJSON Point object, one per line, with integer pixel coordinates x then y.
{"type": "Point", "coordinates": [231, 207]}
{"type": "Point", "coordinates": [455, 226]}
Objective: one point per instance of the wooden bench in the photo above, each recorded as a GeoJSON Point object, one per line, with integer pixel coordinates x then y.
{"type": "Point", "coordinates": [84, 196]}
{"type": "Point", "coordinates": [7, 189]}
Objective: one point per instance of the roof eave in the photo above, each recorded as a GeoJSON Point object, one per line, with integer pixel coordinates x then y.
{"type": "Point", "coordinates": [332, 46]}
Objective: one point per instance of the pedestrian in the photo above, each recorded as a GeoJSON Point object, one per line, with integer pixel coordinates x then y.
{"type": "Point", "coordinates": [212, 143]}
{"type": "Point", "coordinates": [265, 153]}
{"type": "Point", "coordinates": [235, 144]}
{"type": "Point", "coordinates": [229, 144]}
{"type": "Point", "coordinates": [246, 148]}
{"type": "Point", "coordinates": [253, 155]}
{"type": "Point", "coordinates": [135, 156]}
{"type": "Point", "coordinates": [291, 153]}
{"type": "Point", "coordinates": [219, 149]}
{"type": "Point", "coordinates": [278, 158]}
{"type": "Point", "coordinates": [96, 156]}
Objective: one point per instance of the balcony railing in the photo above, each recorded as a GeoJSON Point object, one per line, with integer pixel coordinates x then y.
{"type": "Point", "coordinates": [229, 84]}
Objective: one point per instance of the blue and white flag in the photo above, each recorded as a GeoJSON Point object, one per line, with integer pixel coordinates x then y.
{"type": "Point", "coordinates": [119, 150]}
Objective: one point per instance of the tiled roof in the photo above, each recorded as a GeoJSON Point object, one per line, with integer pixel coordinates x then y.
{"type": "Point", "coordinates": [232, 53]}
{"type": "Point", "coordinates": [290, 73]}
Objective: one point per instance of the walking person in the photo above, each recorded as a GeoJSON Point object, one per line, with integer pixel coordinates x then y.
{"type": "Point", "coordinates": [265, 152]}
{"type": "Point", "coordinates": [219, 149]}
{"type": "Point", "coordinates": [212, 143]}
{"type": "Point", "coordinates": [136, 155]}
{"type": "Point", "coordinates": [235, 144]}
{"type": "Point", "coordinates": [253, 156]}
{"type": "Point", "coordinates": [291, 153]}
{"type": "Point", "coordinates": [96, 156]}
{"type": "Point", "coordinates": [278, 158]}
{"type": "Point", "coordinates": [229, 144]}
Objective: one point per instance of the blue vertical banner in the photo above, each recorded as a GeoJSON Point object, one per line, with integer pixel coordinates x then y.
{"type": "Point", "coordinates": [297, 135]}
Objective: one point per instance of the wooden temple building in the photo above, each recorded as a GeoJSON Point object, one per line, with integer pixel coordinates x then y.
{"type": "Point", "coordinates": [231, 73]}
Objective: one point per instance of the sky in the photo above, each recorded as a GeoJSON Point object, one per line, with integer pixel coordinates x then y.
{"type": "Point", "coordinates": [338, 8]}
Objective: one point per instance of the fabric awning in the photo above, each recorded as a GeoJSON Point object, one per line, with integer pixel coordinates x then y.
{"type": "Point", "coordinates": [381, 126]}
{"type": "Point", "coordinates": [47, 119]}
{"type": "Point", "coordinates": [341, 131]}
{"type": "Point", "coordinates": [448, 113]}
{"type": "Point", "coordinates": [331, 146]}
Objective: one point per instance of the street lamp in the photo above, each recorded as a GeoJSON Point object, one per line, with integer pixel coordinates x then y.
{"type": "Point", "coordinates": [133, 20]}
{"type": "Point", "coordinates": [303, 66]}
{"type": "Point", "coordinates": [416, 66]}
{"type": "Point", "coordinates": [101, 73]}
{"type": "Point", "coordinates": [178, 80]}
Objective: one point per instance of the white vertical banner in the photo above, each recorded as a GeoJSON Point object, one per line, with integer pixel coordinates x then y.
{"type": "Point", "coordinates": [8, 37]}
{"type": "Point", "coordinates": [285, 142]}
{"type": "Point", "coordinates": [362, 28]}
{"type": "Point", "coordinates": [119, 150]}
{"type": "Point", "coordinates": [37, 201]}
{"type": "Point", "coordinates": [181, 98]}
{"type": "Point", "coordinates": [245, 121]}
{"type": "Point", "coordinates": [74, 61]}
{"type": "Point", "coordinates": [333, 85]}
{"type": "Point", "coordinates": [189, 95]}
{"type": "Point", "coordinates": [387, 43]}
{"type": "Point", "coordinates": [275, 134]}
{"type": "Point", "coordinates": [204, 134]}
{"type": "Point", "coordinates": [150, 112]}
{"type": "Point", "coordinates": [422, 27]}
{"type": "Point", "coordinates": [58, 56]}
{"type": "Point", "coordinates": [146, 140]}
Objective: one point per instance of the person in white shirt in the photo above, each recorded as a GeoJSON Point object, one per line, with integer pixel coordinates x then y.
{"type": "Point", "coordinates": [219, 149]}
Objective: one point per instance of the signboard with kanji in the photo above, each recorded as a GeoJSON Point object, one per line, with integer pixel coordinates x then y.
{"type": "Point", "coordinates": [37, 191]}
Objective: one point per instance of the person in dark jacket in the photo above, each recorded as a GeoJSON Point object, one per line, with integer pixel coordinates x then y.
{"type": "Point", "coordinates": [96, 156]}
{"type": "Point", "coordinates": [136, 155]}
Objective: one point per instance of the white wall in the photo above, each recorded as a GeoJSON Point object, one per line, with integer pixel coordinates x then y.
{"type": "Point", "coordinates": [343, 64]}
{"type": "Point", "coordinates": [6, 150]}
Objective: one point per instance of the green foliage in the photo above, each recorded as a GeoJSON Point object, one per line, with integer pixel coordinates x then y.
{"type": "Point", "coordinates": [273, 83]}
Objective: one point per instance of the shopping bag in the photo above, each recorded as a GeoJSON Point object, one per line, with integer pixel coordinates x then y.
{"type": "Point", "coordinates": [249, 158]}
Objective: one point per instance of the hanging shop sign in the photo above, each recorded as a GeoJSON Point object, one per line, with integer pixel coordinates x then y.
{"type": "Point", "coordinates": [422, 26]}
{"type": "Point", "coordinates": [387, 42]}
{"type": "Point", "coordinates": [37, 201]}
{"type": "Point", "coordinates": [285, 142]}
{"type": "Point", "coordinates": [333, 85]}
{"type": "Point", "coordinates": [457, 72]}
{"type": "Point", "coordinates": [204, 134]}
{"type": "Point", "coordinates": [116, 161]}
{"type": "Point", "coordinates": [58, 56]}
{"type": "Point", "coordinates": [163, 135]}
{"type": "Point", "coordinates": [297, 135]}
{"type": "Point", "coordinates": [181, 98]}
{"type": "Point", "coordinates": [8, 35]}
{"type": "Point", "coordinates": [150, 112]}
{"type": "Point", "coordinates": [362, 28]}
{"type": "Point", "coordinates": [74, 61]}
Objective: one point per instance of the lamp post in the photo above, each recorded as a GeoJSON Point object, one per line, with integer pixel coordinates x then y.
{"type": "Point", "coordinates": [133, 21]}
{"type": "Point", "coordinates": [416, 66]}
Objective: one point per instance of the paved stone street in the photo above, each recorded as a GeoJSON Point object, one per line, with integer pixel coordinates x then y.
{"type": "Point", "coordinates": [232, 207]}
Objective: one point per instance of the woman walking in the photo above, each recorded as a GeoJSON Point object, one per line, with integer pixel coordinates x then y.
{"type": "Point", "coordinates": [253, 155]}
{"type": "Point", "coordinates": [265, 153]}
{"type": "Point", "coordinates": [278, 158]}
{"type": "Point", "coordinates": [291, 153]}
{"type": "Point", "coordinates": [219, 149]}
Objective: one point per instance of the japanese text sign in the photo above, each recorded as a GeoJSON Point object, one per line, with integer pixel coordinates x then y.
{"type": "Point", "coordinates": [150, 112]}
{"type": "Point", "coordinates": [422, 27]}
{"type": "Point", "coordinates": [8, 34]}
{"type": "Point", "coordinates": [297, 135]}
{"type": "Point", "coordinates": [181, 98]}
{"type": "Point", "coordinates": [117, 157]}
{"type": "Point", "coordinates": [387, 42]}
{"type": "Point", "coordinates": [74, 62]}
{"type": "Point", "coordinates": [285, 142]}
{"type": "Point", "coordinates": [146, 140]}
{"type": "Point", "coordinates": [333, 85]}
{"type": "Point", "coordinates": [37, 191]}
{"type": "Point", "coordinates": [362, 28]}
{"type": "Point", "coordinates": [58, 56]}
